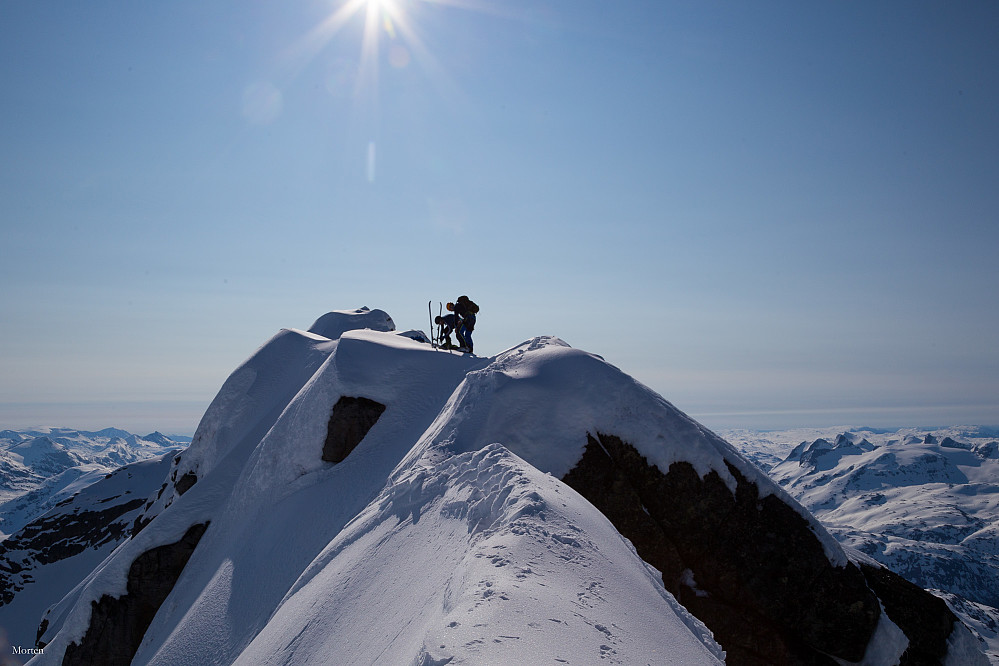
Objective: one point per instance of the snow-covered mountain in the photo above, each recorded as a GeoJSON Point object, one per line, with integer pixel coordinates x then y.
{"type": "Point", "coordinates": [43, 560]}
{"type": "Point", "coordinates": [41, 467]}
{"type": "Point", "coordinates": [70, 497]}
{"type": "Point", "coordinates": [924, 503]}
{"type": "Point", "coordinates": [354, 496]}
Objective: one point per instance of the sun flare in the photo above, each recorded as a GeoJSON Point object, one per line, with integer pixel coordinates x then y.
{"type": "Point", "coordinates": [389, 30]}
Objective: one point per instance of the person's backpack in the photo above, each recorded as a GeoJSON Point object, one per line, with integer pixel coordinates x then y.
{"type": "Point", "coordinates": [470, 305]}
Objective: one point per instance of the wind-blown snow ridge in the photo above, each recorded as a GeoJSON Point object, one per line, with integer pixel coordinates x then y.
{"type": "Point", "coordinates": [453, 495]}
{"type": "Point", "coordinates": [506, 540]}
{"type": "Point", "coordinates": [541, 398]}
{"type": "Point", "coordinates": [479, 530]}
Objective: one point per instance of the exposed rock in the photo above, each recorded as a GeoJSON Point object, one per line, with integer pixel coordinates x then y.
{"type": "Point", "coordinates": [924, 618]}
{"type": "Point", "coordinates": [350, 421]}
{"type": "Point", "coordinates": [117, 625]}
{"type": "Point", "coordinates": [140, 523]}
{"type": "Point", "coordinates": [42, 628]}
{"type": "Point", "coordinates": [56, 537]}
{"type": "Point", "coordinates": [185, 482]}
{"type": "Point", "coordinates": [749, 567]}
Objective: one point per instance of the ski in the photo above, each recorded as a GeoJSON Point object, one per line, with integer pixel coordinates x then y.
{"type": "Point", "coordinates": [430, 311]}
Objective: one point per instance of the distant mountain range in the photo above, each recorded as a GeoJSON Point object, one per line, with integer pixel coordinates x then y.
{"type": "Point", "coordinates": [70, 497]}
{"type": "Point", "coordinates": [923, 502]}
{"type": "Point", "coordinates": [41, 467]}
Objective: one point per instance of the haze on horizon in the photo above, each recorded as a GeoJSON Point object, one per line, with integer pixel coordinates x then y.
{"type": "Point", "coordinates": [772, 214]}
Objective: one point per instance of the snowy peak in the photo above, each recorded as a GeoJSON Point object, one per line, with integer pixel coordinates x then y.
{"type": "Point", "coordinates": [254, 396]}
{"type": "Point", "coordinates": [860, 465]}
{"type": "Point", "coordinates": [542, 399]}
{"type": "Point", "coordinates": [822, 453]}
{"type": "Point", "coordinates": [112, 433]}
{"type": "Point", "coordinates": [162, 440]}
{"type": "Point", "coordinates": [510, 546]}
{"type": "Point", "coordinates": [44, 455]}
{"type": "Point", "coordinates": [334, 324]}
{"type": "Point", "coordinates": [353, 480]}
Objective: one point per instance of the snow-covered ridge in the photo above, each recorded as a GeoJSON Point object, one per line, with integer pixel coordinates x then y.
{"type": "Point", "coordinates": [503, 537]}
{"type": "Point", "coordinates": [444, 535]}
{"type": "Point", "coordinates": [42, 561]}
{"type": "Point", "coordinates": [69, 498]}
{"type": "Point", "coordinates": [263, 486]}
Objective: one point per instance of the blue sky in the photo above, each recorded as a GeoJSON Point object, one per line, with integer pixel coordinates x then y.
{"type": "Point", "coordinates": [775, 214]}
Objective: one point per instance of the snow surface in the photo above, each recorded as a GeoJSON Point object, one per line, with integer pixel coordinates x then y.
{"type": "Point", "coordinates": [420, 547]}
{"type": "Point", "coordinates": [446, 536]}
{"type": "Point", "coordinates": [44, 582]}
{"type": "Point", "coordinates": [522, 566]}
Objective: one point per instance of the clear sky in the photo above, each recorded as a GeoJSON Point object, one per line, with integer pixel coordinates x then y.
{"type": "Point", "coordinates": [773, 213]}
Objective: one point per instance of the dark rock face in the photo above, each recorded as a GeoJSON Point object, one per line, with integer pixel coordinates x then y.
{"type": "Point", "coordinates": [118, 625]}
{"type": "Point", "coordinates": [924, 618]}
{"type": "Point", "coordinates": [185, 482]}
{"type": "Point", "coordinates": [350, 421]}
{"type": "Point", "coordinates": [42, 628]}
{"type": "Point", "coordinates": [750, 568]}
{"type": "Point", "coordinates": [55, 537]}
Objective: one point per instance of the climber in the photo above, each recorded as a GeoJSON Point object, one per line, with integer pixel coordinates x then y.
{"type": "Point", "coordinates": [465, 311]}
{"type": "Point", "coordinates": [448, 324]}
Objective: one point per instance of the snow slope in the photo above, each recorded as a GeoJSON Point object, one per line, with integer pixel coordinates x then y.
{"type": "Point", "coordinates": [522, 566]}
{"type": "Point", "coordinates": [422, 546]}
{"type": "Point", "coordinates": [46, 558]}
{"type": "Point", "coordinates": [445, 536]}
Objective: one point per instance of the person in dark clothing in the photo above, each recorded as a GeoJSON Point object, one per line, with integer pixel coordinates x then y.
{"type": "Point", "coordinates": [449, 324]}
{"type": "Point", "coordinates": [465, 310]}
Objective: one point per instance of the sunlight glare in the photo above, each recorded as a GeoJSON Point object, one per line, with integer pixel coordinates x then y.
{"type": "Point", "coordinates": [391, 20]}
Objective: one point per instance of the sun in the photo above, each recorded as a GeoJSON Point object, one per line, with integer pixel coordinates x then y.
{"type": "Point", "coordinates": [389, 27]}
{"type": "Point", "coordinates": [381, 18]}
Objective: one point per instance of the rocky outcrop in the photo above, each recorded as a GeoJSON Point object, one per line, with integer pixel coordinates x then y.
{"type": "Point", "coordinates": [57, 536]}
{"type": "Point", "coordinates": [749, 567]}
{"type": "Point", "coordinates": [185, 483]}
{"type": "Point", "coordinates": [117, 625]}
{"type": "Point", "coordinates": [924, 618]}
{"type": "Point", "coordinates": [350, 421]}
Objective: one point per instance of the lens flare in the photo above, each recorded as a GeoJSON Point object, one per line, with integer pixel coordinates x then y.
{"type": "Point", "coordinates": [371, 161]}
{"type": "Point", "coordinates": [388, 21]}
